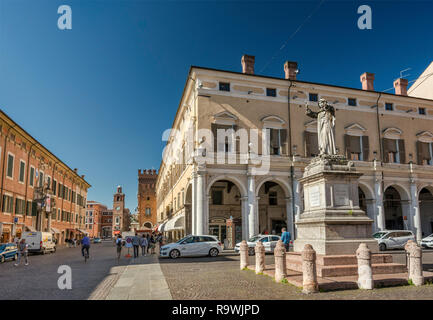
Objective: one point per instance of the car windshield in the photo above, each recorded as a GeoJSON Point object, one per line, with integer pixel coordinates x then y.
{"type": "Point", "coordinates": [182, 239]}
{"type": "Point", "coordinates": [254, 239]}
{"type": "Point", "coordinates": [378, 235]}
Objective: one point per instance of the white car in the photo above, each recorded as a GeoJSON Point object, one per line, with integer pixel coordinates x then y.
{"type": "Point", "coordinates": [393, 239]}
{"type": "Point", "coordinates": [427, 242]}
{"type": "Point", "coordinates": [269, 242]}
{"type": "Point", "coordinates": [192, 246]}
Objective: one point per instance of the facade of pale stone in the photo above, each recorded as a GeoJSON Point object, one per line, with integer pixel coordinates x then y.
{"type": "Point", "coordinates": [388, 136]}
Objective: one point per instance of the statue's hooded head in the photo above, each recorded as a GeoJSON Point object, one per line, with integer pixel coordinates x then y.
{"type": "Point", "coordinates": [322, 103]}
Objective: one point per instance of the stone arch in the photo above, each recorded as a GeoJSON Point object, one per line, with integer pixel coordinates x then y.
{"type": "Point", "coordinates": [283, 184]}
{"type": "Point", "coordinates": [425, 202]}
{"type": "Point", "coordinates": [274, 212]}
{"type": "Point", "coordinates": [396, 206]}
{"type": "Point", "coordinates": [368, 190]}
{"type": "Point", "coordinates": [402, 190]}
{"type": "Point", "coordinates": [147, 224]}
{"type": "Point", "coordinates": [234, 179]}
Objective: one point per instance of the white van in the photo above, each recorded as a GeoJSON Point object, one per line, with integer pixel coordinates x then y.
{"type": "Point", "coordinates": [38, 241]}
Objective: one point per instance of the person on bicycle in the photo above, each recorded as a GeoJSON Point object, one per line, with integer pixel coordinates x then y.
{"type": "Point", "coordinates": [85, 244]}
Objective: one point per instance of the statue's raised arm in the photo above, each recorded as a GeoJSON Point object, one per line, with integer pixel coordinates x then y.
{"type": "Point", "coordinates": [310, 112]}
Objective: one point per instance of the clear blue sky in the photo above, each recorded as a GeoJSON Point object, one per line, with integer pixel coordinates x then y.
{"type": "Point", "coordinates": [100, 95]}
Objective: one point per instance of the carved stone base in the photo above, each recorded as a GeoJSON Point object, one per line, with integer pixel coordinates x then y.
{"type": "Point", "coordinates": [332, 221]}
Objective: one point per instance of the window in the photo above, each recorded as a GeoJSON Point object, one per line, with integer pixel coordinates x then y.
{"type": "Point", "coordinates": [20, 206]}
{"type": "Point", "coordinates": [273, 198]}
{"type": "Point", "coordinates": [224, 86]}
{"type": "Point", "coordinates": [313, 97]}
{"type": "Point", "coordinates": [8, 204]}
{"type": "Point", "coordinates": [22, 171]}
{"type": "Point", "coordinates": [394, 150]}
{"type": "Point", "coordinates": [357, 147]}
{"type": "Point", "coordinates": [147, 212]}
{"type": "Point", "coordinates": [270, 92]}
{"type": "Point", "coordinates": [10, 169]}
{"type": "Point", "coordinates": [217, 197]}
{"type": "Point", "coordinates": [277, 141]}
{"type": "Point", "coordinates": [54, 187]}
{"type": "Point", "coordinates": [425, 152]}
{"type": "Point", "coordinates": [351, 102]}
{"type": "Point", "coordinates": [41, 179]}
{"type": "Point", "coordinates": [389, 106]}
{"type": "Point", "coordinates": [32, 176]}
{"type": "Point", "coordinates": [421, 111]}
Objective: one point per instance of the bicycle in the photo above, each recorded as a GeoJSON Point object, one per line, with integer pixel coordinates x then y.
{"type": "Point", "coordinates": [85, 253]}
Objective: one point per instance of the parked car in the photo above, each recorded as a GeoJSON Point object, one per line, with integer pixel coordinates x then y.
{"type": "Point", "coordinates": [40, 242]}
{"type": "Point", "coordinates": [97, 240]}
{"type": "Point", "coordinates": [269, 242]}
{"type": "Point", "coordinates": [192, 246]}
{"type": "Point", "coordinates": [8, 251]}
{"type": "Point", "coordinates": [393, 239]}
{"type": "Point", "coordinates": [427, 242]}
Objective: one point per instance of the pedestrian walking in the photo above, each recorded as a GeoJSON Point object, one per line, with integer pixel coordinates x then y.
{"type": "Point", "coordinates": [143, 245]}
{"type": "Point", "coordinates": [136, 244]}
{"type": "Point", "coordinates": [119, 244]}
{"type": "Point", "coordinates": [148, 243]}
{"type": "Point", "coordinates": [22, 252]}
{"type": "Point", "coordinates": [285, 238]}
{"type": "Point", "coordinates": [152, 244]}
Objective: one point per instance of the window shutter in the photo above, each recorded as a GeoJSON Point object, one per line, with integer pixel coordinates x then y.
{"type": "Point", "coordinates": [34, 208]}
{"type": "Point", "coordinates": [283, 139]}
{"type": "Point", "coordinates": [402, 151]}
{"type": "Point", "coordinates": [419, 152]}
{"type": "Point", "coordinates": [347, 145]}
{"type": "Point", "coordinates": [385, 150]}
{"type": "Point", "coordinates": [274, 138]}
{"type": "Point", "coordinates": [214, 132]}
{"type": "Point", "coordinates": [307, 143]}
{"type": "Point", "coordinates": [365, 148]}
{"type": "Point", "coordinates": [314, 143]}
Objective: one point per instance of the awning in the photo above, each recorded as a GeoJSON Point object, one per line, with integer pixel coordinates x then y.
{"type": "Point", "coordinates": [161, 227]}
{"type": "Point", "coordinates": [176, 223]}
{"type": "Point", "coordinates": [54, 230]}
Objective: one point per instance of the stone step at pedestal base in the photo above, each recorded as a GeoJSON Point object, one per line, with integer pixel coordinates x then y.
{"type": "Point", "coordinates": [345, 282]}
{"type": "Point", "coordinates": [345, 265]}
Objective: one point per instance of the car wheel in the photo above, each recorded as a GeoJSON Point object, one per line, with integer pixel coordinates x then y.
{"type": "Point", "coordinates": [213, 252]}
{"type": "Point", "coordinates": [174, 254]}
{"type": "Point", "coordinates": [382, 247]}
{"type": "Point", "coordinates": [2, 259]}
{"type": "Point", "coordinates": [251, 251]}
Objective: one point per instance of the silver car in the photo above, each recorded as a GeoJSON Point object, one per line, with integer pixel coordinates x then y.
{"type": "Point", "coordinates": [393, 239]}
{"type": "Point", "coordinates": [269, 242]}
{"type": "Point", "coordinates": [427, 242]}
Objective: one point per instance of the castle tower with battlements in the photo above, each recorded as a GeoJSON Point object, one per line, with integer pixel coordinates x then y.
{"type": "Point", "coordinates": [146, 199]}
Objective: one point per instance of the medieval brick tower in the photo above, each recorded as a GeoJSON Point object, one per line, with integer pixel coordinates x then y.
{"type": "Point", "coordinates": [119, 222]}
{"type": "Point", "coordinates": [146, 198]}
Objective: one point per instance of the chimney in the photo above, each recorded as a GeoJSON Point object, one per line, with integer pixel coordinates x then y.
{"type": "Point", "coordinates": [247, 64]}
{"type": "Point", "coordinates": [367, 79]}
{"type": "Point", "coordinates": [290, 70]}
{"type": "Point", "coordinates": [400, 86]}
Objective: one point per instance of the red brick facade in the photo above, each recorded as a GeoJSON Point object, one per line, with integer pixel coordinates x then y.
{"type": "Point", "coordinates": [24, 164]}
{"type": "Point", "coordinates": [147, 199]}
{"type": "Point", "coordinates": [94, 218]}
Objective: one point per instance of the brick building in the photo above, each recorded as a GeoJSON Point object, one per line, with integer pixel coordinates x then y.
{"type": "Point", "coordinates": [146, 197]}
{"type": "Point", "coordinates": [121, 218]}
{"type": "Point", "coordinates": [94, 214]}
{"type": "Point", "coordinates": [107, 223]}
{"type": "Point", "coordinates": [27, 169]}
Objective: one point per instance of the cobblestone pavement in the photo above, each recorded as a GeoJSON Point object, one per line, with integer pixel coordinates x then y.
{"type": "Point", "coordinates": [38, 280]}
{"type": "Point", "coordinates": [220, 278]}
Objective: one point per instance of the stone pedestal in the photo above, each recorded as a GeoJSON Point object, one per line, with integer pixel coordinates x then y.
{"type": "Point", "coordinates": [332, 221]}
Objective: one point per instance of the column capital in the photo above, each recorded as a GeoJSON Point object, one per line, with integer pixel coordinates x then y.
{"type": "Point", "coordinates": [244, 198]}
{"type": "Point", "coordinates": [288, 199]}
